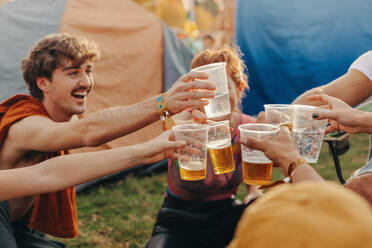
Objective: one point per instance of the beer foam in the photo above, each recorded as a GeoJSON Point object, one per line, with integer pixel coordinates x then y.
{"type": "Point", "coordinates": [219, 144]}
{"type": "Point", "coordinates": [194, 165]}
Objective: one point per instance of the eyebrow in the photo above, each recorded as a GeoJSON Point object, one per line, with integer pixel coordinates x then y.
{"type": "Point", "coordinates": [75, 67]}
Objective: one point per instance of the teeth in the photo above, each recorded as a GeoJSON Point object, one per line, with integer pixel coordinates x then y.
{"type": "Point", "coordinates": [82, 93]}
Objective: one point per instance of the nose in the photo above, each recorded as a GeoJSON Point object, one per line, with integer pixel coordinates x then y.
{"type": "Point", "coordinates": [85, 81]}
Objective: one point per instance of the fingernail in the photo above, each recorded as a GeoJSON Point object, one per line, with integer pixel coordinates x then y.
{"type": "Point", "coordinates": [315, 116]}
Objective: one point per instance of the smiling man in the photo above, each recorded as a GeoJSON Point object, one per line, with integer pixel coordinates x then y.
{"type": "Point", "coordinates": [59, 74]}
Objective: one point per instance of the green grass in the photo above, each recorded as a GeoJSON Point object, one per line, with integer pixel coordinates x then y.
{"type": "Point", "coordinates": [122, 214]}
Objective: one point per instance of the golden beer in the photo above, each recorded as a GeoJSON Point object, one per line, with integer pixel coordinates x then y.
{"type": "Point", "coordinates": [193, 171]}
{"type": "Point", "coordinates": [257, 173]}
{"type": "Point", "coordinates": [222, 158]}
{"type": "Point", "coordinates": [287, 124]}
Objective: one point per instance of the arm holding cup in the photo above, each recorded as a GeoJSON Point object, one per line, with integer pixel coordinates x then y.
{"type": "Point", "coordinates": [282, 150]}
{"type": "Point", "coordinates": [342, 116]}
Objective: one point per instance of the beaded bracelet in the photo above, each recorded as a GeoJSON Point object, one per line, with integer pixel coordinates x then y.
{"type": "Point", "coordinates": [165, 117]}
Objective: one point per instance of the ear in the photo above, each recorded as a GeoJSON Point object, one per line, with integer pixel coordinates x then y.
{"type": "Point", "coordinates": [42, 84]}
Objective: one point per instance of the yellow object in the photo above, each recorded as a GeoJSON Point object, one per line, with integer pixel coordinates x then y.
{"type": "Point", "coordinates": [308, 214]}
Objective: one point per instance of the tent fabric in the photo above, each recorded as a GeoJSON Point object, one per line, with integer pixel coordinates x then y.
{"type": "Point", "coordinates": [291, 46]}
{"type": "Point", "coordinates": [138, 51]}
{"type": "Point", "coordinates": [22, 23]}
{"type": "Point", "coordinates": [177, 58]}
{"type": "Point", "coordinates": [130, 68]}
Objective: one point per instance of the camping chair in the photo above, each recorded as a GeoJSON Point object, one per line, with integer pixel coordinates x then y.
{"type": "Point", "coordinates": [338, 143]}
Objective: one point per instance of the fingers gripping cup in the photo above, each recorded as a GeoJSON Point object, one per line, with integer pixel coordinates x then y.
{"type": "Point", "coordinates": [308, 132]}
{"type": "Point", "coordinates": [192, 158]}
{"type": "Point", "coordinates": [279, 114]}
{"type": "Point", "coordinates": [219, 105]}
{"type": "Point", "coordinates": [219, 147]}
{"type": "Point", "coordinates": [257, 168]}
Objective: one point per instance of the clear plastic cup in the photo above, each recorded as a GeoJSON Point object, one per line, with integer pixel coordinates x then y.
{"type": "Point", "coordinates": [192, 158]}
{"type": "Point", "coordinates": [279, 114]}
{"type": "Point", "coordinates": [309, 133]}
{"type": "Point", "coordinates": [219, 147]}
{"type": "Point", "coordinates": [219, 105]}
{"type": "Point", "coordinates": [257, 168]}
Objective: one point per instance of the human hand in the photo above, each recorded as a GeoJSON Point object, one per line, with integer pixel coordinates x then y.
{"type": "Point", "coordinates": [161, 147]}
{"type": "Point", "coordinates": [189, 92]}
{"type": "Point", "coordinates": [282, 149]}
{"type": "Point", "coordinates": [347, 120]}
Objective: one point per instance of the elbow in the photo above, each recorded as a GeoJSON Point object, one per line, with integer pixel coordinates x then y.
{"type": "Point", "coordinates": [90, 137]}
{"type": "Point", "coordinates": [91, 141]}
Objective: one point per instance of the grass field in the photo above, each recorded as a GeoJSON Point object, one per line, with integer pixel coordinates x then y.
{"type": "Point", "coordinates": [122, 214]}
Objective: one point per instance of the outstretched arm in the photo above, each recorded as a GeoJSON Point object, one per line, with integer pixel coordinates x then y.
{"type": "Point", "coordinates": [342, 116]}
{"type": "Point", "coordinates": [65, 171]}
{"type": "Point", "coordinates": [352, 88]}
{"type": "Point", "coordinates": [42, 134]}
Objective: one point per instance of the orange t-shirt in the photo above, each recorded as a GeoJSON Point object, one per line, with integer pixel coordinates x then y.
{"type": "Point", "coordinates": [53, 213]}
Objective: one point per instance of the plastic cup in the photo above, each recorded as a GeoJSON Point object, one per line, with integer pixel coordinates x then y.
{"type": "Point", "coordinates": [279, 114]}
{"type": "Point", "coordinates": [219, 147]}
{"type": "Point", "coordinates": [257, 168]}
{"type": "Point", "coordinates": [219, 105]}
{"type": "Point", "coordinates": [309, 133]}
{"type": "Point", "coordinates": [192, 158]}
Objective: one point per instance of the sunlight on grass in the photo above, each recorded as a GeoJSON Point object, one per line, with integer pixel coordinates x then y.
{"type": "Point", "coordinates": [122, 214]}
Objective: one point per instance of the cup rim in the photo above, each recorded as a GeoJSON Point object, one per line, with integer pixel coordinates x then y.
{"type": "Point", "coordinates": [182, 127]}
{"type": "Point", "coordinates": [212, 65]}
{"type": "Point", "coordinates": [297, 106]}
{"type": "Point", "coordinates": [279, 105]}
{"type": "Point", "coordinates": [275, 128]}
{"type": "Point", "coordinates": [217, 123]}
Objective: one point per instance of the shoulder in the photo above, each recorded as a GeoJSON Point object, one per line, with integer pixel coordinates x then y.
{"type": "Point", "coordinates": [364, 64]}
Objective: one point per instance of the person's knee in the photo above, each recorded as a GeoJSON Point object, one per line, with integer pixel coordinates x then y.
{"type": "Point", "coordinates": [362, 185]}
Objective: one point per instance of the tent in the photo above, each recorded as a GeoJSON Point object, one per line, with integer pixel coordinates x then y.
{"type": "Point", "coordinates": [291, 46]}
{"type": "Point", "coordinates": [140, 56]}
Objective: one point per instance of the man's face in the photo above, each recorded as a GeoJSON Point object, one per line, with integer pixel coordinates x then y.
{"type": "Point", "coordinates": [69, 87]}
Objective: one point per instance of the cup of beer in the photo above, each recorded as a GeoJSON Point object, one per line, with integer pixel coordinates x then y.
{"type": "Point", "coordinates": [309, 133]}
{"type": "Point", "coordinates": [219, 147]}
{"type": "Point", "coordinates": [257, 168]}
{"type": "Point", "coordinates": [218, 106]}
{"type": "Point", "coordinates": [280, 114]}
{"type": "Point", "coordinates": [192, 158]}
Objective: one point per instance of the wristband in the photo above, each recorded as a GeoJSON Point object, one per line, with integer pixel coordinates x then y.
{"type": "Point", "coordinates": [165, 117]}
{"type": "Point", "coordinates": [292, 166]}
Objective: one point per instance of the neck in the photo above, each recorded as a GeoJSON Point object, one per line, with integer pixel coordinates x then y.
{"type": "Point", "coordinates": [55, 113]}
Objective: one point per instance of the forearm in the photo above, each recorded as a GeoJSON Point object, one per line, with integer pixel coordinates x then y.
{"type": "Point", "coordinates": [306, 173]}
{"type": "Point", "coordinates": [109, 124]}
{"type": "Point", "coordinates": [65, 171]}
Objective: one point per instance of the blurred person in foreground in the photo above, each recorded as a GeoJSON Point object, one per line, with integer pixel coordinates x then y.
{"type": "Point", "coordinates": [58, 72]}
{"type": "Point", "coordinates": [307, 213]}
{"type": "Point", "coordinates": [204, 213]}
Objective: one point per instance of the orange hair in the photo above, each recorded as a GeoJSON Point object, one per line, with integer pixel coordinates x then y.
{"type": "Point", "coordinates": [234, 65]}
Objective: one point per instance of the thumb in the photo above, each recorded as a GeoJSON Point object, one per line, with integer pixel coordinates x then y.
{"type": "Point", "coordinates": [325, 114]}
{"type": "Point", "coordinates": [252, 143]}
